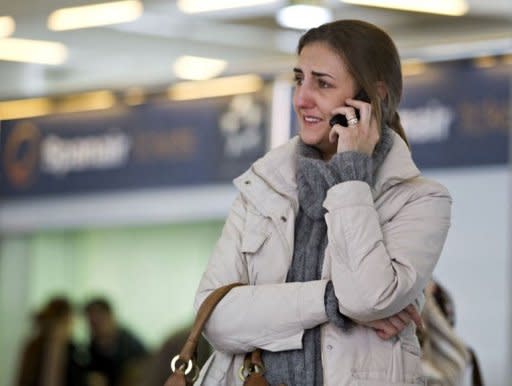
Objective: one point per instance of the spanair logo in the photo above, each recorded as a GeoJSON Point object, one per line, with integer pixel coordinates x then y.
{"type": "Point", "coordinates": [241, 126]}
{"type": "Point", "coordinates": [62, 156]}
{"type": "Point", "coordinates": [21, 155]}
{"type": "Point", "coordinates": [428, 123]}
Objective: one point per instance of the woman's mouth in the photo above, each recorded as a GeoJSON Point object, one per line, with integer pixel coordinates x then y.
{"type": "Point", "coordinates": [310, 119]}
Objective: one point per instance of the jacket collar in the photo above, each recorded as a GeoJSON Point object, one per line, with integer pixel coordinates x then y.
{"type": "Point", "coordinates": [397, 167]}
{"type": "Point", "coordinates": [274, 173]}
{"type": "Point", "coordinates": [277, 170]}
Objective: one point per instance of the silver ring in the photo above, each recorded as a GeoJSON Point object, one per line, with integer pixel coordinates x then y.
{"type": "Point", "coordinates": [352, 121]}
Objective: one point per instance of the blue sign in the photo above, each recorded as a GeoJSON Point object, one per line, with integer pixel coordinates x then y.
{"type": "Point", "coordinates": [456, 114]}
{"type": "Point", "coordinates": [153, 145]}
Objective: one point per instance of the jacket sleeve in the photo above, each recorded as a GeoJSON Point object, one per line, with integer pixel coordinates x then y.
{"type": "Point", "coordinates": [268, 316]}
{"type": "Point", "coordinates": [377, 270]}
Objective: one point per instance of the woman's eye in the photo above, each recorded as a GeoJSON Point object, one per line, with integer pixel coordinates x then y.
{"type": "Point", "coordinates": [298, 80]}
{"type": "Point", "coordinates": [323, 84]}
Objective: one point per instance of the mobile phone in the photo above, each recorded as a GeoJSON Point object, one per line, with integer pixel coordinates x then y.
{"type": "Point", "coordinates": [340, 119]}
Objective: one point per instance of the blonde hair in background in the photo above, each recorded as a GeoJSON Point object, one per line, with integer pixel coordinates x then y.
{"type": "Point", "coordinates": [445, 357]}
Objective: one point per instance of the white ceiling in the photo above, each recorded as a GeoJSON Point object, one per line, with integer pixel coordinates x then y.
{"type": "Point", "coordinates": [141, 53]}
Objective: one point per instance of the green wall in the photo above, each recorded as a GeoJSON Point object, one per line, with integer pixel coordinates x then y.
{"type": "Point", "coordinates": [150, 274]}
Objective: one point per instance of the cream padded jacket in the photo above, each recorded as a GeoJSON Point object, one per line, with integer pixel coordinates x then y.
{"type": "Point", "coordinates": [383, 244]}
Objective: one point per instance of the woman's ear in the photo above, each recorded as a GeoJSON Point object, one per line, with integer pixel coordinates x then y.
{"type": "Point", "coordinates": [382, 90]}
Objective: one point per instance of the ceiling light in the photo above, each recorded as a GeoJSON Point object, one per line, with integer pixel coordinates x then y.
{"type": "Point", "coordinates": [485, 61]}
{"type": "Point", "coordinates": [234, 85]}
{"type": "Point", "coordinates": [25, 108]}
{"type": "Point", "coordinates": [413, 67]}
{"type": "Point", "coordinates": [134, 96]}
{"type": "Point", "coordinates": [196, 6]}
{"type": "Point", "coordinates": [507, 59]}
{"type": "Point", "coordinates": [442, 7]}
{"type": "Point", "coordinates": [95, 15]}
{"type": "Point", "coordinates": [33, 51]}
{"type": "Point", "coordinates": [303, 15]}
{"type": "Point", "coordinates": [88, 101]}
{"type": "Point", "coordinates": [198, 68]}
{"type": "Point", "coordinates": [7, 26]}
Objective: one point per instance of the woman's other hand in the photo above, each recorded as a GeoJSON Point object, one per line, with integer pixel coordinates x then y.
{"type": "Point", "coordinates": [389, 327]}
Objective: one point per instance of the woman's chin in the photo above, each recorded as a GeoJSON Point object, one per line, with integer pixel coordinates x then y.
{"type": "Point", "coordinates": [310, 138]}
{"type": "Point", "coordinates": [321, 143]}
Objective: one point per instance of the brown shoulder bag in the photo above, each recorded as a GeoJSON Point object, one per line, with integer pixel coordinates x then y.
{"type": "Point", "coordinates": [185, 370]}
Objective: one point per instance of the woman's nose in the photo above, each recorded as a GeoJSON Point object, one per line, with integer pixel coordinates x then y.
{"type": "Point", "coordinates": [303, 97]}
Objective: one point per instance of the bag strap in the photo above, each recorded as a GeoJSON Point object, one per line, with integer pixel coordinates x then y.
{"type": "Point", "coordinates": [184, 363]}
{"type": "Point", "coordinates": [203, 314]}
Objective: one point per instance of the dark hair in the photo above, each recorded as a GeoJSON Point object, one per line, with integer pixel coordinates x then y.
{"type": "Point", "coordinates": [99, 303]}
{"type": "Point", "coordinates": [370, 56]}
{"type": "Point", "coordinates": [56, 309]}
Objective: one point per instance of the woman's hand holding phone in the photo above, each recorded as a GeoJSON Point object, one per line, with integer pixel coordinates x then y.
{"type": "Point", "coordinates": [362, 136]}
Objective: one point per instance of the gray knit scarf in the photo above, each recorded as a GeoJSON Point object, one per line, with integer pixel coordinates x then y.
{"type": "Point", "coordinates": [303, 367]}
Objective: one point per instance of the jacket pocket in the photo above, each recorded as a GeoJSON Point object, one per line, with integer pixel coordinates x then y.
{"type": "Point", "coordinates": [263, 251]}
{"type": "Point", "coordinates": [252, 241]}
{"type": "Point", "coordinates": [394, 361]}
{"type": "Point", "coordinates": [410, 352]}
{"type": "Point", "coordinates": [255, 233]}
{"type": "Point", "coordinates": [381, 378]}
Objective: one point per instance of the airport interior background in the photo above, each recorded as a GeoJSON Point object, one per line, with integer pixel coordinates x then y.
{"type": "Point", "coordinates": [119, 141]}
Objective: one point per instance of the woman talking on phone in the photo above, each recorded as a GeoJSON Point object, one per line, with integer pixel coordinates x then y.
{"type": "Point", "coordinates": [336, 232]}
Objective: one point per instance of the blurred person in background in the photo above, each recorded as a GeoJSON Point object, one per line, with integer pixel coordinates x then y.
{"type": "Point", "coordinates": [335, 233]}
{"type": "Point", "coordinates": [116, 356]}
{"type": "Point", "coordinates": [446, 359]}
{"type": "Point", "coordinates": [50, 358]}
